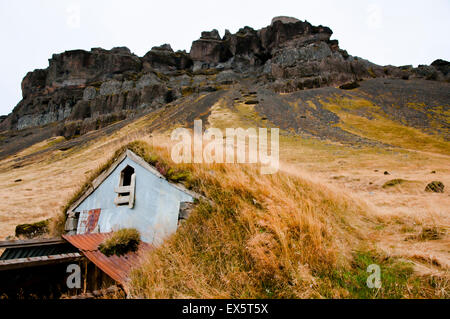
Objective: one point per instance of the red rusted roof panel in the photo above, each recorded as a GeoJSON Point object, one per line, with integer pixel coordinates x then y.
{"type": "Point", "coordinates": [117, 267]}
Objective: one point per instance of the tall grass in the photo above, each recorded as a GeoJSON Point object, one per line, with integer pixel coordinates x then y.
{"type": "Point", "coordinates": [264, 236]}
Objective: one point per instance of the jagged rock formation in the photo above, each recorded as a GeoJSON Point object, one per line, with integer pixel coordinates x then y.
{"type": "Point", "coordinates": [83, 91]}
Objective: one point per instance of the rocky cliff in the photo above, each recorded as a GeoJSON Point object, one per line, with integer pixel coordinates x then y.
{"type": "Point", "coordinates": [82, 91]}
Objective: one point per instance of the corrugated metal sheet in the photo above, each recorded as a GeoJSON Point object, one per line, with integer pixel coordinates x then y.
{"type": "Point", "coordinates": [116, 267]}
{"type": "Point", "coordinates": [21, 263]}
{"type": "Point", "coordinates": [37, 251]}
{"type": "Point", "coordinates": [31, 242]}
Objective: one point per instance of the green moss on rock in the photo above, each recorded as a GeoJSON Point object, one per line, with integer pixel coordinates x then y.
{"type": "Point", "coordinates": [32, 230]}
{"type": "Point", "coordinates": [435, 187]}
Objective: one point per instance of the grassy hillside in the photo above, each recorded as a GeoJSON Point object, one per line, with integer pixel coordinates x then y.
{"type": "Point", "coordinates": [272, 236]}
{"type": "Point", "coordinates": [310, 230]}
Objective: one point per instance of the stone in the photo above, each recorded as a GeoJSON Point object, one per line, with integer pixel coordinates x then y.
{"type": "Point", "coordinates": [89, 93]}
{"type": "Point", "coordinates": [30, 231]}
{"type": "Point", "coordinates": [441, 65]}
{"type": "Point", "coordinates": [349, 86]}
{"type": "Point", "coordinates": [163, 58]}
{"type": "Point", "coordinates": [227, 77]}
{"type": "Point", "coordinates": [278, 33]}
{"type": "Point", "coordinates": [110, 87]}
{"type": "Point", "coordinates": [210, 51]}
{"type": "Point", "coordinates": [121, 50]}
{"type": "Point", "coordinates": [79, 66]}
{"type": "Point", "coordinates": [100, 86]}
{"type": "Point", "coordinates": [435, 187]}
{"type": "Point", "coordinates": [34, 82]}
{"type": "Point", "coordinates": [128, 85]}
{"type": "Point", "coordinates": [164, 47]}
{"type": "Point", "coordinates": [394, 182]}
{"type": "Point", "coordinates": [284, 19]}
{"type": "Point", "coordinates": [427, 72]}
{"type": "Point", "coordinates": [147, 80]}
{"type": "Point", "coordinates": [185, 210]}
{"type": "Point", "coordinates": [211, 35]}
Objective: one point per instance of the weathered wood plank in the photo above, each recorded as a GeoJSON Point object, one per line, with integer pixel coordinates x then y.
{"type": "Point", "coordinates": [38, 261]}
{"type": "Point", "coordinates": [31, 243]}
{"type": "Point", "coordinates": [132, 190]}
{"type": "Point", "coordinates": [122, 200]}
{"type": "Point", "coordinates": [122, 189]}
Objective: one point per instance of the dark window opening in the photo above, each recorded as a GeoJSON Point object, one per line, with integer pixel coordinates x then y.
{"type": "Point", "coordinates": [125, 191]}
{"type": "Point", "coordinates": [126, 176]}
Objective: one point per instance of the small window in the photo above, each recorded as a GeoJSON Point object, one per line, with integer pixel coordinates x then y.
{"type": "Point", "coordinates": [125, 176]}
{"type": "Point", "coordinates": [125, 191]}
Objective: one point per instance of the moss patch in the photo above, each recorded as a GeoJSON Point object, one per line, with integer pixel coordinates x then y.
{"type": "Point", "coordinates": [435, 187]}
{"type": "Point", "coordinates": [121, 242]}
{"type": "Point", "coordinates": [32, 230]}
{"type": "Point", "coordinates": [397, 280]}
{"type": "Point", "coordinates": [431, 233]}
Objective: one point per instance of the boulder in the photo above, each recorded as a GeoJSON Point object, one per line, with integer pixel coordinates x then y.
{"type": "Point", "coordinates": [121, 50]}
{"type": "Point", "coordinates": [32, 230]}
{"type": "Point", "coordinates": [165, 47]}
{"type": "Point", "coordinates": [442, 65]}
{"type": "Point", "coordinates": [284, 19]}
{"type": "Point", "coordinates": [435, 187]}
{"type": "Point", "coordinates": [211, 35]}
{"type": "Point", "coordinates": [78, 67]}
{"type": "Point", "coordinates": [163, 58]}
{"type": "Point", "coordinates": [110, 87]}
{"type": "Point", "coordinates": [246, 45]}
{"type": "Point", "coordinates": [349, 86]}
{"type": "Point", "coordinates": [278, 33]}
{"type": "Point", "coordinates": [210, 50]}
{"type": "Point", "coordinates": [227, 77]}
{"type": "Point", "coordinates": [89, 93]}
{"type": "Point", "coordinates": [147, 80]}
{"type": "Point", "coordinates": [34, 82]}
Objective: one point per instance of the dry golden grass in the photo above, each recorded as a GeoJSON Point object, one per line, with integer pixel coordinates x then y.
{"type": "Point", "coordinates": [49, 180]}
{"type": "Point", "coordinates": [401, 211]}
{"type": "Point", "coordinates": [292, 234]}
{"type": "Point", "coordinates": [381, 128]}
{"type": "Point", "coordinates": [274, 238]}
{"type": "Point", "coordinates": [286, 236]}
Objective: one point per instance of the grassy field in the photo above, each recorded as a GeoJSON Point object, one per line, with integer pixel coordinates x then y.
{"type": "Point", "coordinates": [310, 230]}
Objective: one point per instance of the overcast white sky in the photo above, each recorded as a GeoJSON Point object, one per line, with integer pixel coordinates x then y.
{"type": "Point", "coordinates": [384, 31]}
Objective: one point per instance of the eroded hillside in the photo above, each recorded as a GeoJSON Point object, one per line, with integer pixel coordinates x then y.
{"type": "Point", "coordinates": [359, 143]}
{"type": "Point", "coordinates": [351, 145]}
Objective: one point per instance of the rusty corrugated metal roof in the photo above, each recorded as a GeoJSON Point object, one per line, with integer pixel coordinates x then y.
{"type": "Point", "coordinates": [114, 266]}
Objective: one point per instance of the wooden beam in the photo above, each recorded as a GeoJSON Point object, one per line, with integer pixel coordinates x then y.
{"type": "Point", "coordinates": [31, 243]}
{"type": "Point", "coordinates": [122, 200]}
{"type": "Point", "coordinates": [122, 189]}
{"type": "Point", "coordinates": [132, 190]}
{"type": "Point", "coordinates": [38, 261]}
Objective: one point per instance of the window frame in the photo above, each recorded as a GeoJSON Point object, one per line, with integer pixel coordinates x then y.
{"type": "Point", "coordinates": [126, 194]}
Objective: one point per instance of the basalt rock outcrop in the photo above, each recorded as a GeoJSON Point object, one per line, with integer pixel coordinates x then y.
{"type": "Point", "coordinates": [85, 90]}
